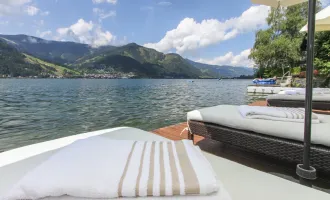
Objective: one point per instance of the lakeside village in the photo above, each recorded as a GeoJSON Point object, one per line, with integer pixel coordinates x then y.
{"type": "Point", "coordinates": [109, 75]}
{"type": "Point", "coordinates": [87, 76]}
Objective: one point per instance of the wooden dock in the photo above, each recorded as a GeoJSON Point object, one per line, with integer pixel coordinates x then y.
{"type": "Point", "coordinates": [176, 132]}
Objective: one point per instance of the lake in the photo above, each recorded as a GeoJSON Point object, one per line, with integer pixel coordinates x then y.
{"type": "Point", "coordinates": [35, 110]}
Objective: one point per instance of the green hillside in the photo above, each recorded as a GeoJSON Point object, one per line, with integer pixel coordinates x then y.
{"type": "Point", "coordinates": [32, 56]}
{"type": "Point", "coordinates": [53, 68]}
{"type": "Point", "coordinates": [15, 63]}
{"type": "Point", "coordinates": [52, 51]}
{"type": "Point", "coordinates": [149, 62]}
{"type": "Point", "coordinates": [125, 64]}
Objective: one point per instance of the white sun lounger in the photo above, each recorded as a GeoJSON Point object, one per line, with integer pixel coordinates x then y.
{"type": "Point", "coordinates": [278, 140]}
{"type": "Point", "coordinates": [320, 101]}
{"type": "Point", "coordinates": [240, 181]}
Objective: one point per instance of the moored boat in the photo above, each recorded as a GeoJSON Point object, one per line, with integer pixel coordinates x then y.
{"type": "Point", "coordinates": [262, 81]}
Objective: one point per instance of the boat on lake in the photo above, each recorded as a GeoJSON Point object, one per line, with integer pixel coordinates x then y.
{"type": "Point", "coordinates": [270, 85]}
{"type": "Point", "coordinates": [263, 81]}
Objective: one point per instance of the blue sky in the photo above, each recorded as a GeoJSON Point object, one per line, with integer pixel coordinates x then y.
{"type": "Point", "coordinates": [209, 31]}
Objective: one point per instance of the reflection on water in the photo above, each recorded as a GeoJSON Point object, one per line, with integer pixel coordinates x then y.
{"type": "Point", "coordinates": [37, 110]}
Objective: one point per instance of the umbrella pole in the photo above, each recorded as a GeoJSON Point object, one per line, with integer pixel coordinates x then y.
{"type": "Point", "coordinates": [305, 171]}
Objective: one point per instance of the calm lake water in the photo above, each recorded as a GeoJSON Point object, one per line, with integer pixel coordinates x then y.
{"type": "Point", "coordinates": [35, 110]}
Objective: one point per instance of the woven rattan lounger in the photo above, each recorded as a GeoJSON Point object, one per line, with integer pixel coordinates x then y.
{"type": "Point", "coordinates": [278, 140]}
{"type": "Point", "coordinates": [320, 102]}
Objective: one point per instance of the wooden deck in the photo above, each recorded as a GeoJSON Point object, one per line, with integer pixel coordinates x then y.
{"type": "Point", "coordinates": [176, 132]}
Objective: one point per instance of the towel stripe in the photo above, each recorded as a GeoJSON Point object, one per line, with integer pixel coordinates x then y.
{"type": "Point", "coordinates": [190, 178]}
{"type": "Point", "coordinates": [162, 169]}
{"type": "Point", "coordinates": [291, 112]}
{"type": "Point", "coordinates": [120, 187]}
{"type": "Point", "coordinates": [296, 112]}
{"type": "Point", "coordinates": [151, 170]}
{"type": "Point", "coordinates": [174, 171]}
{"type": "Point", "coordinates": [137, 187]}
{"type": "Point", "coordinates": [279, 109]}
{"type": "Point", "coordinates": [168, 175]}
{"type": "Point", "coordinates": [301, 113]}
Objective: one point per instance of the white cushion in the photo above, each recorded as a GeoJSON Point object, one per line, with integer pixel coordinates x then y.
{"type": "Point", "coordinates": [229, 116]}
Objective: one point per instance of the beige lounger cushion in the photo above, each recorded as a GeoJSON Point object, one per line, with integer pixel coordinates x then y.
{"type": "Point", "coordinates": [242, 182]}
{"type": "Point", "coordinates": [229, 116]}
{"type": "Point", "coordinates": [13, 172]}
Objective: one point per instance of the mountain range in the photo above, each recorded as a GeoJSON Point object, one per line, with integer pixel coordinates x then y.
{"type": "Point", "coordinates": [23, 55]}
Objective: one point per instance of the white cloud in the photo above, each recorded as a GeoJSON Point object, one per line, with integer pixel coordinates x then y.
{"type": "Point", "coordinates": [105, 1]}
{"type": "Point", "coordinates": [164, 3]}
{"type": "Point", "coordinates": [46, 13]}
{"type": "Point", "coordinates": [190, 35]}
{"type": "Point", "coordinates": [13, 7]}
{"type": "Point", "coordinates": [10, 7]}
{"type": "Point", "coordinates": [44, 33]}
{"type": "Point", "coordinates": [14, 2]}
{"type": "Point", "coordinates": [85, 32]}
{"type": "Point", "coordinates": [103, 14]}
{"type": "Point", "coordinates": [30, 40]}
{"type": "Point", "coordinates": [31, 10]}
{"type": "Point", "coordinates": [229, 58]}
{"type": "Point", "coordinates": [101, 38]}
{"type": "Point", "coordinates": [80, 28]}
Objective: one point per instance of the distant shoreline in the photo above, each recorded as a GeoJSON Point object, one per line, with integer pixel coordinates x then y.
{"type": "Point", "coordinates": [131, 78]}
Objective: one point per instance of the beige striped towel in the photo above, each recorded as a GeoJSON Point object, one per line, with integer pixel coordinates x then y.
{"type": "Point", "coordinates": [102, 168]}
{"type": "Point", "coordinates": [276, 113]}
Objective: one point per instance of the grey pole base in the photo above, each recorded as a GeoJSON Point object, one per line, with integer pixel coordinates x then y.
{"type": "Point", "coordinates": [306, 174]}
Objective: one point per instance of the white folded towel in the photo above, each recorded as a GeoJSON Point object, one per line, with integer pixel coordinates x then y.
{"type": "Point", "coordinates": [102, 168]}
{"type": "Point", "coordinates": [276, 113]}
{"type": "Point", "coordinates": [290, 92]}
{"type": "Point", "coordinates": [302, 91]}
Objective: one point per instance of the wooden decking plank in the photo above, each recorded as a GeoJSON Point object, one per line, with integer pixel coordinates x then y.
{"type": "Point", "coordinates": [173, 132]}
{"type": "Point", "coordinates": [259, 103]}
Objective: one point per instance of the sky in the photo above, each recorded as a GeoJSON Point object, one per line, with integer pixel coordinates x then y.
{"type": "Point", "coordinates": [209, 31]}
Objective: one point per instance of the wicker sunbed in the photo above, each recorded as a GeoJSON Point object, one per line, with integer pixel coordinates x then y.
{"type": "Point", "coordinates": [278, 148]}
{"type": "Point", "coordinates": [320, 102]}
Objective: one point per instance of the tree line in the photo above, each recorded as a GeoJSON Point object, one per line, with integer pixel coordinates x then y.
{"type": "Point", "coordinates": [281, 47]}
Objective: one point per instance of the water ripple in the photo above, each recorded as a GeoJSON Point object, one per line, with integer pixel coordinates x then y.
{"type": "Point", "coordinates": [32, 111]}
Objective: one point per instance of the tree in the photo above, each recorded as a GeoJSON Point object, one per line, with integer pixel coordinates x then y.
{"type": "Point", "coordinates": [277, 49]}
{"type": "Point", "coordinates": [322, 53]}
